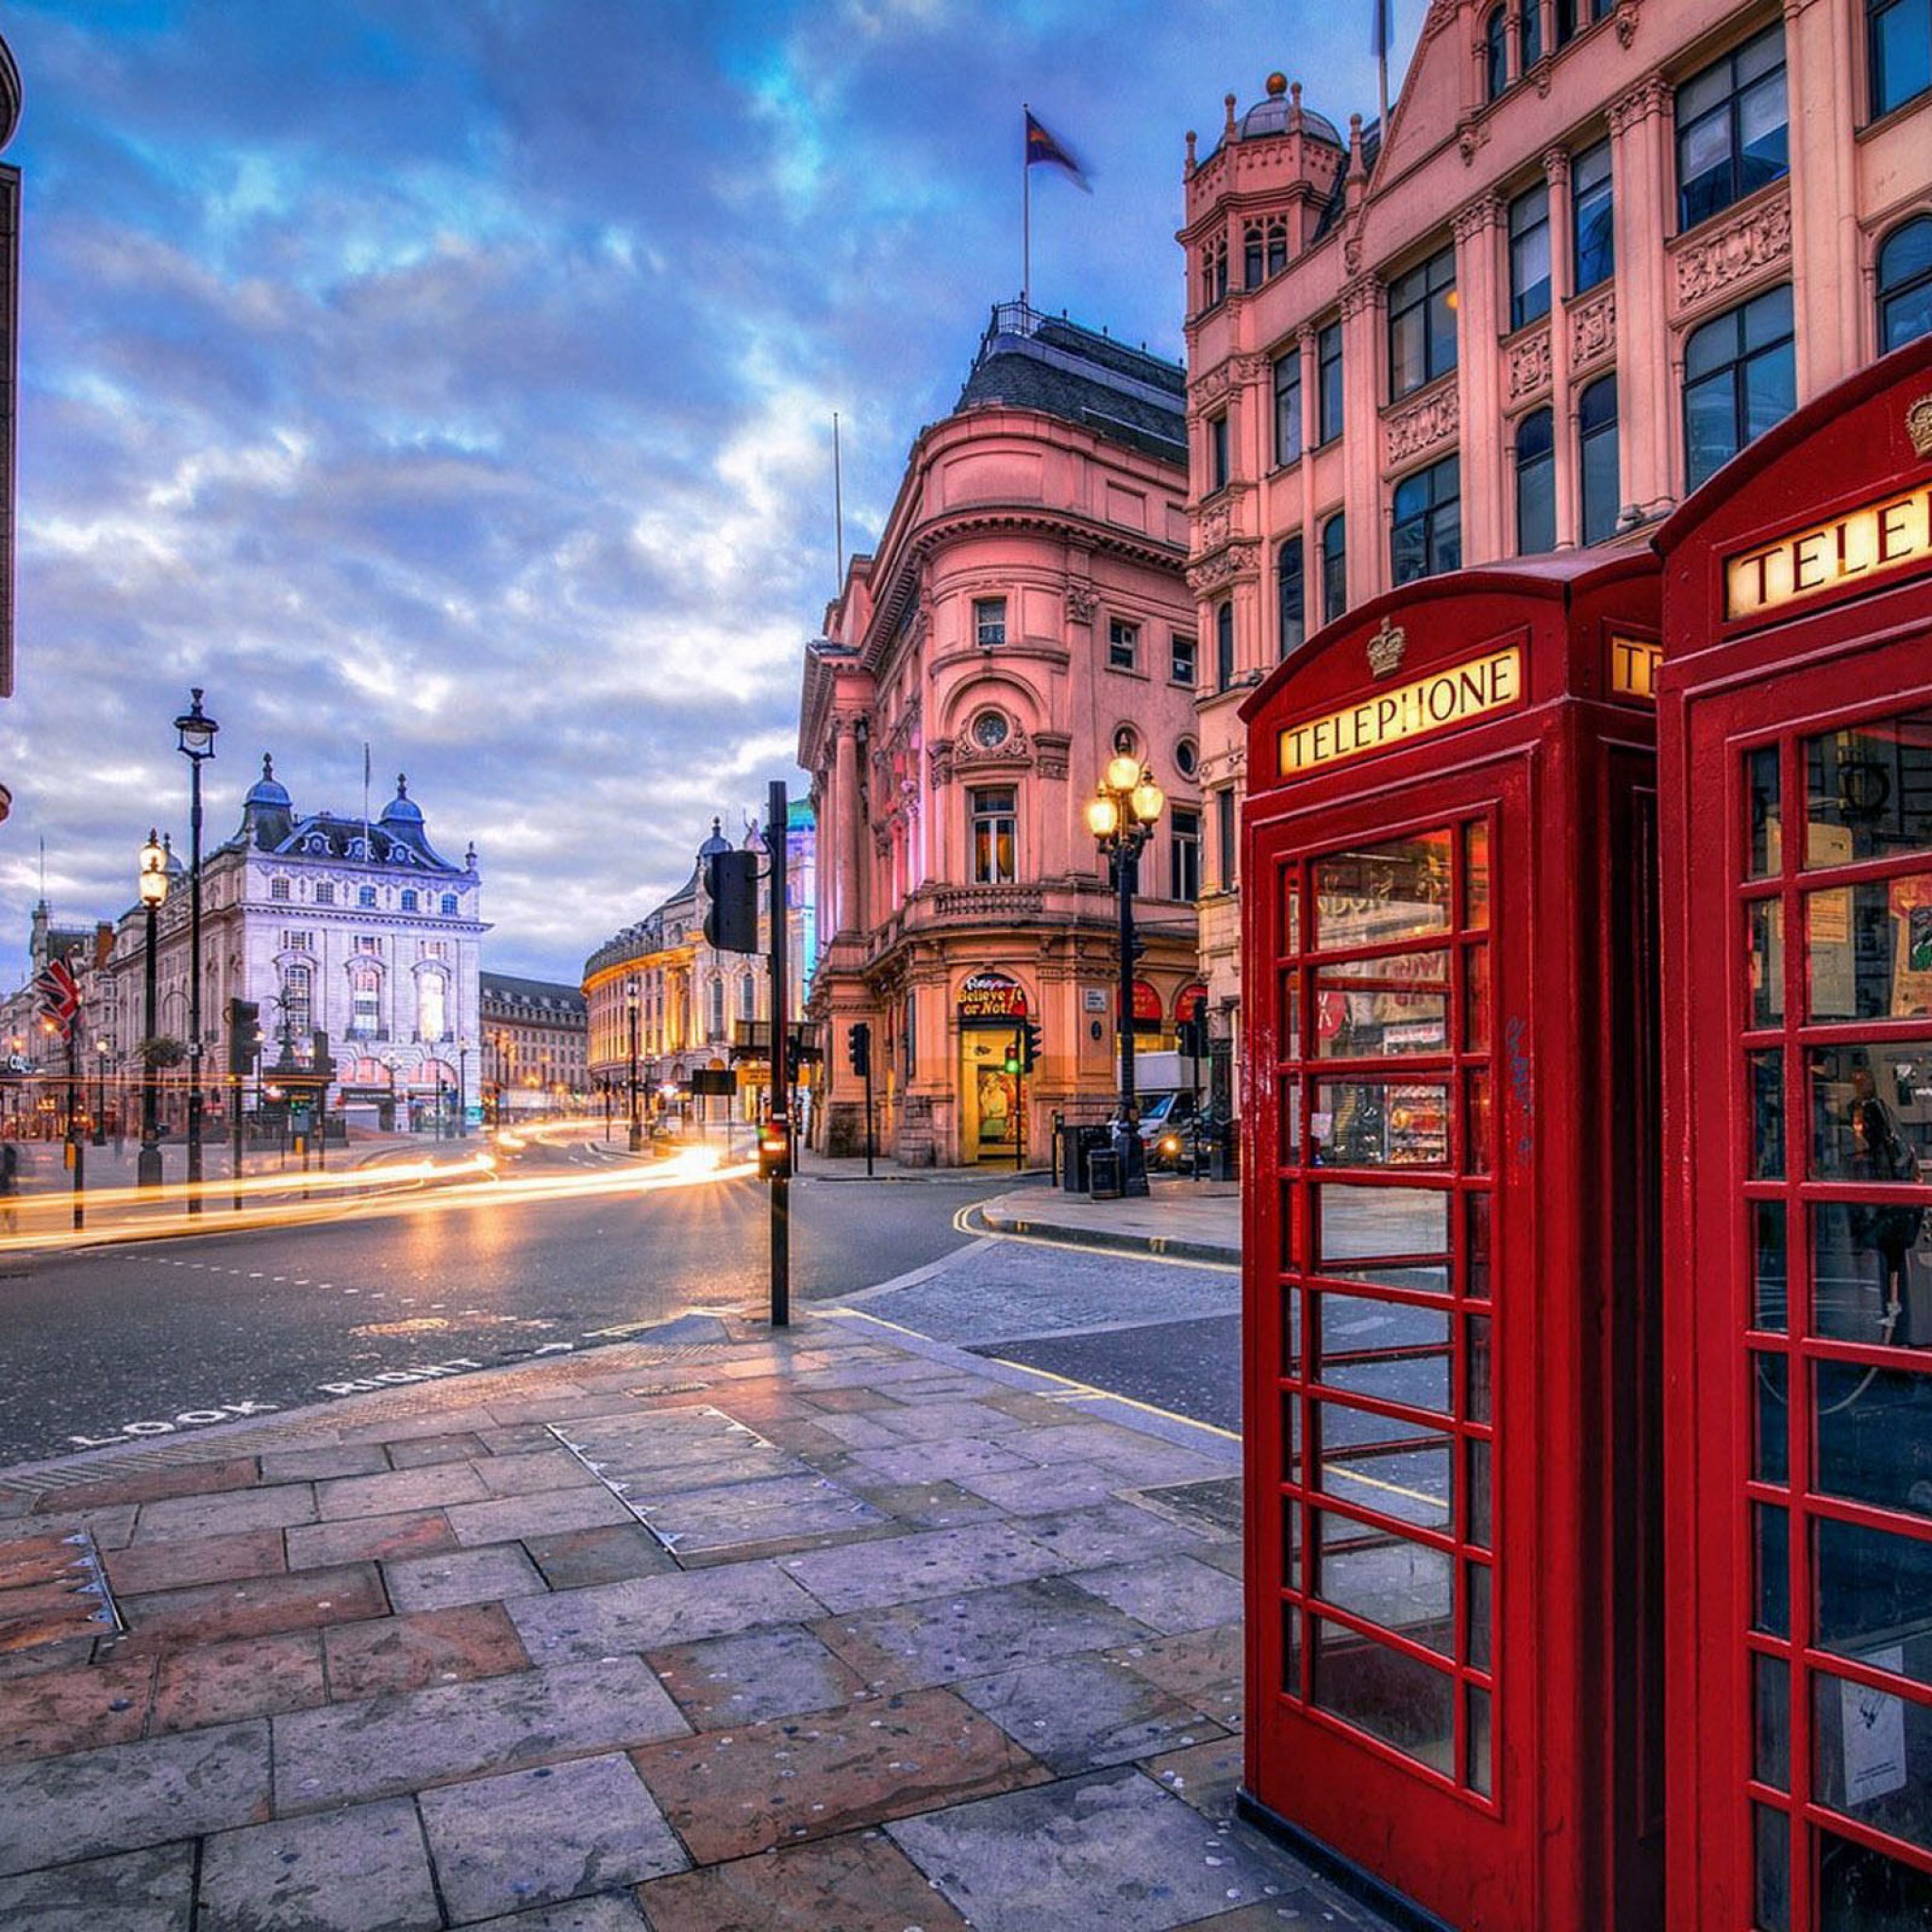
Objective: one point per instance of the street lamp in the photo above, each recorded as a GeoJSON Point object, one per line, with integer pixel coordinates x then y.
{"type": "Point", "coordinates": [100, 1094]}
{"type": "Point", "coordinates": [195, 731]}
{"type": "Point", "coordinates": [637, 1131]}
{"type": "Point", "coordinates": [1121, 815]}
{"type": "Point", "coordinates": [154, 888]}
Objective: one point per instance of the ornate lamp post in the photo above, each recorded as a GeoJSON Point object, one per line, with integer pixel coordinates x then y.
{"type": "Point", "coordinates": [630, 1007]}
{"type": "Point", "coordinates": [1121, 815]}
{"type": "Point", "coordinates": [195, 732]}
{"type": "Point", "coordinates": [100, 1094]}
{"type": "Point", "coordinates": [154, 890]}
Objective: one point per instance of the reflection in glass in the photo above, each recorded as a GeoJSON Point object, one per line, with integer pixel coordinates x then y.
{"type": "Point", "coordinates": [1380, 894]}
{"type": "Point", "coordinates": [1769, 1377]}
{"type": "Point", "coordinates": [1478, 1090]}
{"type": "Point", "coordinates": [1475, 873]}
{"type": "Point", "coordinates": [1869, 790]}
{"type": "Point", "coordinates": [1863, 1890]}
{"type": "Point", "coordinates": [1771, 1833]}
{"type": "Point", "coordinates": [1478, 1409]}
{"type": "Point", "coordinates": [1869, 1756]}
{"type": "Point", "coordinates": [1291, 1542]}
{"type": "Point", "coordinates": [1380, 1122]}
{"type": "Point", "coordinates": [1771, 1697]}
{"type": "Point", "coordinates": [1379, 1025]}
{"type": "Point", "coordinates": [1770, 1270]}
{"type": "Point", "coordinates": [1766, 839]}
{"type": "Point", "coordinates": [1389, 1581]}
{"type": "Point", "coordinates": [1475, 1000]}
{"type": "Point", "coordinates": [1392, 1696]}
{"type": "Point", "coordinates": [1361, 1224]}
{"type": "Point", "coordinates": [1767, 938]}
{"type": "Point", "coordinates": [1874, 1595]}
{"type": "Point", "coordinates": [1477, 1281]}
{"type": "Point", "coordinates": [1388, 1351]}
{"type": "Point", "coordinates": [1871, 1110]}
{"type": "Point", "coordinates": [1479, 1580]}
{"type": "Point", "coordinates": [1767, 1076]}
{"type": "Point", "coordinates": [1861, 1275]}
{"type": "Point", "coordinates": [1873, 1433]}
{"type": "Point", "coordinates": [1291, 1047]}
{"type": "Point", "coordinates": [1771, 1532]}
{"type": "Point", "coordinates": [1419, 1279]}
{"type": "Point", "coordinates": [1477, 1528]}
{"type": "Point", "coordinates": [1400, 1470]}
{"type": "Point", "coordinates": [1291, 911]}
{"type": "Point", "coordinates": [1868, 950]}
{"type": "Point", "coordinates": [1292, 1650]}
{"type": "Point", "coordinates": [1292, 1333]}
{"type": "Point", "coordinates": [1476, 1757]}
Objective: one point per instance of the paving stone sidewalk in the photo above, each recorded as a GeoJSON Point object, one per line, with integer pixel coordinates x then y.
{"type": "Point", "coordinates": [823, 1629]}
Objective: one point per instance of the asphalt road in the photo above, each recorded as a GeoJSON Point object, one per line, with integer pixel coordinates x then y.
{"type": "Point", "coordinates": [154, 1337]}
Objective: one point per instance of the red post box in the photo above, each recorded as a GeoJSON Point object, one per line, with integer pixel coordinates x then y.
{"type": "Point", "coordinates": [1795, 740]}
{"type": "Point", "coordinates": [1450, 1323]}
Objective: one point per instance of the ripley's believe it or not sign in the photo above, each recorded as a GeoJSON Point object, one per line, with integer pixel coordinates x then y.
{"type": "Point", "coordinates": [1893, 534]}
{"type": "Point", "coordinates": [1436, 703]}
{"type": "Point", "coordinates": [988, 997]}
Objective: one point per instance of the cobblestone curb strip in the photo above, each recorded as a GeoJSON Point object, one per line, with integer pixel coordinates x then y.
{"type": "Point", "coordinates": [829, 1628]}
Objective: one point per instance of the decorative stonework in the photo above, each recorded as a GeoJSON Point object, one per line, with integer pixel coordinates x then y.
{"type": "Point", "coordinates": [1757, 239]}
{"type": "Point", "coordinates": [1470, 139]}
{"type": "Point", "coordinates": [1473, 217]}
{"type": "Point", "coordinates": [1592, 328]}
{"type": "Point", "coordinates": [1239, 559]}
{"type": "Point", "coordinates": [1421, 427]}
{"type": "Point", "coordinates": [939, 764]}
{"type": "Point", "coordinates": [1362, 294]}
{"type": "Point", "coordinates": [1215, 527]}
{"type": "Point", "coordinates": [1919, 425]}
{"type": "Point", "coordinates": [1081, 603]}
{"type": "Point", "coordinates": [1557, 166]}
{"type": "Point", "coordinates": [1053, 751]}
{"type": "Point", "coordinates": [964, 753]}
{"type": "Point", "coordinates": [1527, 369]}
{"type": "Point", "coordinates": [1226, 376]}
{"type": "Point", "coordinates": [1649, 96]}
{"type": "Point", "coordinates": [1626, 22]}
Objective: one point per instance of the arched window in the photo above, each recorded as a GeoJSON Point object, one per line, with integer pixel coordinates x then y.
{"type": "Point", "coordinates": [365, 1002]}
{"type": "Point", "coordinates": [1224, 645]}
{"type": "Point", "coordinates": [717, 1005]}
{"type": "Point", "coordinates": [1290, 577]}
{"type": "Point", "coordinates": [1427, 536]}
{"type": "Point", "coordinates": [1495, 53]}
{"type": "Point", "coordinates": [298, 1012]}
{"type": "Point", "coordinates": [1905, 284]}
{"type": "Point", "coordinates": [1334, 567]}
{"type": "Point", "coordinates": [1214, 272]}
{"type": "Point", "coordinates": [1536, 484]}
{"type": "Point", "coordinates": [1596, 434]}
{"type": "Point", "coordinates": [747, 996]}
{"type": "Point", "coordinates": [1529, 17]}
{"type": "Point", "coordinates": [432, 1010]}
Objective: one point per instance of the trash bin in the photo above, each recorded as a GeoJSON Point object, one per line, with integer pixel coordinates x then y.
{"type": "Point", "coordinates": [1077, 1145]}
{"type": "Point", "coordinates": [1104, 1174]}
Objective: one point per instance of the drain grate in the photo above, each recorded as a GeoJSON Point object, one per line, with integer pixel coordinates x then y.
{"type": "Point", "coordinates": [1213, 1506]}
{"type": "Point", "coordinates": [53, 1588]}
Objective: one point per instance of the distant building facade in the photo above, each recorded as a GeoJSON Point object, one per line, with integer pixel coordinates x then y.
{"type": "Point", "coordinates": [1023, 618]}
{"type": "Point", "coordinates": [535, 1048]}
{"type": "Point", "coordinates": [1599, 247]}
{"type": "Point", "coordinates": [333, 925]}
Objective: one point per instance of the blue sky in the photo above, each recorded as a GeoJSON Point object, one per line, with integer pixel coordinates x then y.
{"type": "Point", "coordinates": [456, 376]}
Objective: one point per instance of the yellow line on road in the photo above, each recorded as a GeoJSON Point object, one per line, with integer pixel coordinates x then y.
{"type": "Point", "coordinates": [962, 1224]}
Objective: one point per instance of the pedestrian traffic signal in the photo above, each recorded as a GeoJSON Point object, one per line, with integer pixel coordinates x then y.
{"type": "Point", "coordinates": [244, 1037]}
{"type": "Point", "coordinates": [1029, 1045]}
{"type": "Point", "coordinates": [858, 1044]}
{"type": "Point", "coordinates": [774, 1150]}
{"type": "Point", "coordinates": [731, 923]}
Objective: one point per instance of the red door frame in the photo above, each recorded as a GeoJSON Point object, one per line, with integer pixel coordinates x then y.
{"type": "Point", "coordinates": [1562, 1843]}
{"type": "Point", "coordinates": [1858, 647]}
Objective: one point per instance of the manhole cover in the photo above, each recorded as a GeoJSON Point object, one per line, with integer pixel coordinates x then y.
{"type": "Point", "coordinates": [1214, 1505]}
{"type": "Point", "coordinates": [53, 1588]}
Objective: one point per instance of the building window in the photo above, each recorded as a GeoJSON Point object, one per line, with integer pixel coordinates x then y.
{"type": "Point", "coordinates": [1529, 28]}
{"type": "Point", "coordinates": [1422, 323]}
{"type": "Point", "coordinates": [1428, 537]}
{"type": "Point", "coordinates": [1740, 378]}
{"type": "Point", "coordinates": [1900, 39]}
{"type": "Point", "coordinates": [409, 898]}
{"type": "Point", "coordinates": [1224, 645]}
{"type": "Point", "coordinates": [368, 942]}
{"type": "Point", "coordinates": [1264, 250]}
{"type": "Point", "coordinates": [1592, 235]}
{"type": "Point", "coordinates": [1905, 284]}
{"type": "Point", "coordinates": [1334, 567]}
{"type": "Point", "coordinates": [1596, 425]}
{"type": "Point", "coordinates": [298, 1001]}
{"type": "Point", "coordinates": [1572, 16]}
{"type": "Point", "coordinates": [988, 622]}
{"type": "Point", "coordinates": [432, 1007]}
{"type": "Point", "coordinates": [1184, 874]}
{"type": "Point", "coordinates": [747, 997]}
{"type": "Point", "coordinates": [325, 893]}
{"type": "Point", "coordinates": [297, 942]}
{"type": "Point", "coordinates": [1123, 644]}
{"type": "Point", "coordinates": [1183, 654]}
{"type": "Point", "coordinates": [1217, 452]}
{"type": "Point", "coordinates": [1225, 824]}
{"type": "Point", "coordinates": [714, 1000]}
{"type": "Point", "coordinates": [1214, 272]}
{"type": "Point", "coordinates": [1187, 757]}
{"type": "Point", "coordinates": [1732, 129]}
{"type": "Point", "coordinates": [365, 896]}
{"type": "Point", "coordinates": [994, 862]}
{"type": "Point", "coordinates": [449, 904]}
{"type": "Point", "coordinates": [1536, 484]}
{"type": "Point", "coordinates": [278, 888]}
{"type": "Point", "coordinates": [1291, 584]}
{"type": "Point", "coordinates": [365, 1003]}
{"type": "Point", "coordinates": [1495, 53]}
{"type": "Point", "coordinates": [1529, 256]}
{"type": "Point", "coordinates": [1288, 407]}
{"type": "Point", "coordinates": [1329, 380]}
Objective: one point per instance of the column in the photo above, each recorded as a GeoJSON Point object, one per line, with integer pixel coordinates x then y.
{"type": "Point", "coordinates": [1650, 413]}
{"type": "Point", "coordinates": [1562, 405]}
{"type": "Point", "coordinates": [851, 830]}
{"type": "Point", "coordinates": [1364, 355]}
{"type": "Point", "coordinates": [1822, 85]}
{"type": "Point", "coordinates": [1485, 474]}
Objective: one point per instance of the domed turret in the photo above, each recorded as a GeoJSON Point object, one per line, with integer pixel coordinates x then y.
{"type": "Point", "coordinates": [717, 843]}
{"type": "Point", "coordinates": [267, 814]}
{"type": "Point", "coordinates": [402, 809]}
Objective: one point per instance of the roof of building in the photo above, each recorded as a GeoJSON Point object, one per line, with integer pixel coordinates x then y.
{"type": "Point", "coordinates": [1126, 396]}
{"type": "Point", "coordinates": [511, 989]}
{"type": "Point", "coordinates": [270, 822]}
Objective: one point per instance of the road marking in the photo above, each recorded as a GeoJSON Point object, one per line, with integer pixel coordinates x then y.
{"type": "Point", "coordinates": [188, 1419]}
{"type": "Point", "coordinates": [962, 1224]}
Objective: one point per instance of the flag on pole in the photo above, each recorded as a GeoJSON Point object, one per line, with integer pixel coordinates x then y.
{"type": "Point", "coordinates": [1379, 43]}
{"type": "Point", "coordinates": [1041, 146]}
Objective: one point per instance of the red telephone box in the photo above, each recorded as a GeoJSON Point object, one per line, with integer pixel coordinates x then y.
{"type": "Point", "coordinates": [1450, 1332]}
{"type": "Point", "coordinates": [1795, 736]}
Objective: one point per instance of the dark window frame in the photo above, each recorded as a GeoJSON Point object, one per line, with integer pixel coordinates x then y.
{"type": "Point", "coordinates": [1292, 589]}
{"type": "Point", "coordinates": [1528, 224]}
{"type": "Point", "coordinates": [1915, 282]}
{"type": "Point", "coordinates": [1288, 407]}
{"type": "Point", "coordinates": [1224, 645]}
{"type": "Point", "coordinates": [1535, 445]}
{"type": "Point", "coordinates": [1719, 185]}
{"type": "Point", "coordinates": [1593, 219]}
{"type": "Point", "coordinates": [1184, 659]}
{"type": "Point", "coordinates": [1432, 520]}
{"type": "Point", "coordinates": [1330, 394]}
{"type": "Point", "coordinates": [1593, 428]}
{"type": "Point", "coordinates": [1123, 644]}
{"type": "Point", "coordinates": [1335, 567]}
{"type": "Point", "coordinates": [1737, 371]}
{"type": "Point", "coordinates": [988, 622]}
{"type": "Point", "coordinates": [992, 811]}
{"type": "Point", "coordinates": [1220, 455]}
{"type": "Point", "coordinates": [1888, 99]}
{"type": "Point", "coordinates": [1184, 853]}
{"type": "Point", "coordinates": [1421, 318]}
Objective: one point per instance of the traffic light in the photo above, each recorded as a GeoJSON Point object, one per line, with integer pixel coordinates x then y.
{"type": "Point", "coordinates": [774, 1150]}
{"type": "Point", "coordinates": [731, 924]}
{"type": "Point", "coordinates": [1013, 1061]}
{"type": "Point", "coordinates": [1190, 1036]}
{"type": "Point", "coordinates": [320, 1064]}
{"type": "Point", "coordinates": [858, 1044]}
{"type": "Point", "coordinates": [1029, 1045]}
{"type": "Point", "coordinates": [244, 1037]}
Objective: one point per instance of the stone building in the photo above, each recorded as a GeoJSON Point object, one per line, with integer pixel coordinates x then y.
{"type": "Point", "coordinates": [1023, 618]}
{"type": "Point", "coordinates": [1598, 248]}
{"type": "Point", "coordinates": [535, 1060]}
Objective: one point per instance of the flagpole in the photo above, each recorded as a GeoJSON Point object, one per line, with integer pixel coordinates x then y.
{"type": "Point", "coordinates": [1025, 219]}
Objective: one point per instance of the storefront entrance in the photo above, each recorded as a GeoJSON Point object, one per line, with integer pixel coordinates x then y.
{"type": "Point", "coordinates": [992, 1011]}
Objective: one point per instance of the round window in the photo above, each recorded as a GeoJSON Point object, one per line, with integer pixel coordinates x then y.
{"type": "Point", "coordinates": [990, 730]}
{"type": "Point", "coordinates": [1187, 757]}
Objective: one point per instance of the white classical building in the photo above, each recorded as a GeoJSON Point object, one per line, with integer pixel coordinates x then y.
{"type": "Point", "coordinates": [355, 929]}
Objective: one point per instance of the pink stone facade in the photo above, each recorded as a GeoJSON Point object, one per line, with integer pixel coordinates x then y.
{"type": "Point", "coordinates": [1023, 615]}
{"type": "Point", "coordinates": [1527, 290]}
